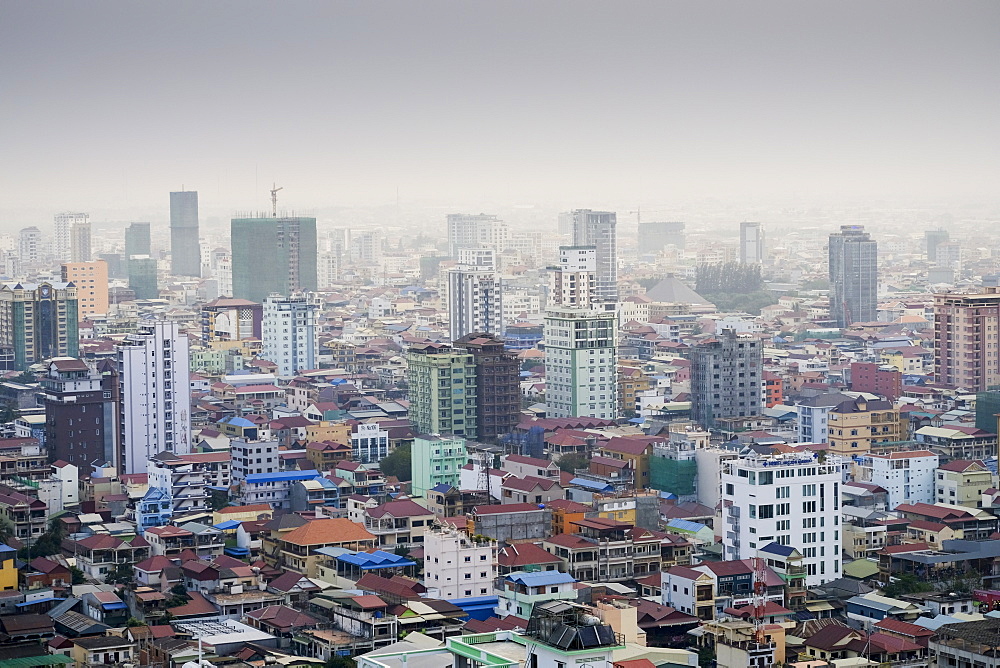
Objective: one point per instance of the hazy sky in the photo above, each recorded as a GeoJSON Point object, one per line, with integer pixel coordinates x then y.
{"type": "Point", "coordinates": [107, 105]}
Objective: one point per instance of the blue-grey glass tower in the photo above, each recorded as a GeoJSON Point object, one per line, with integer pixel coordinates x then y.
{"type": "Point", "coordinates": [185, 252]}
{"type": "Point", "coordinates": [853, 276]}
{"type": "Point", "coordinates": [273, 255]}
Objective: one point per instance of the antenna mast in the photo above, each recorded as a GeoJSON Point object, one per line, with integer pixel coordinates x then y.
{"type": "Point", "coordinates": [274, 200]}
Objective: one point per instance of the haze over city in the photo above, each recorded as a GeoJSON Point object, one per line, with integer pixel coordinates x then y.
{"type": "Point", "coordinates": [656, 104]}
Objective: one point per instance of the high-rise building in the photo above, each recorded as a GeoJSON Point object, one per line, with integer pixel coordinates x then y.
{"type": "Point", "coordinates": [117, 268]}
{"type": "Point", "coordinates": [654, 237]}
{"type": "Point", "coordinates": [366, 248]}
{"type": "Point", "coordinates": [37, 322]}
{"type": "Point", "coordinates": [931, 240]}
{"type": "Point", "coordinates": [79, 243]}
{"type": "Point", "coordinates": [29, 247]}
{"type": "Point", "coordinates": [475, 300]}
{"type": "Point", "coordinates": [442, 388]}
{"type": "Point", "coordinates": [474, 230]}
{"type": "Point", "coordinates": [80, 414]}
{"type": "Point", "coordinates": [790, 499]}
{"type": "Point", "coordinates": [726, 374]}
{"type": "Point", "coordinates": [289, 333]}
{"type": "Point", "coordinates": [155, 394]}
{"type": "Point", "coordinates": [62, 246]}
{"type": "Point", "coordinates": [142, 278]}
{"type": "Point", "coordinates": [273, 256]}
{"type": "Point", "coordinates": [227, 319]}
{"type": "Point", "coordinates": [137, 240]}
{"type": "Point", "coordinates": [751, 243]}
{"type": "Point", "coordinates": [498, 392]}
{"type": "Point", "coordinates": [581, 363]}
{"type": "Point", "coordinates": [573, 282]}
{"type": "Point", "coordinates": [967, 340]}
{"type": "Point", "coordinates": [853, 276]}
{"type": "Point", "coordinates": [185, 249]}
{"type": "Point", "coordinates": [599, 229]}
{"type": "Point", "coordinates": [91, 281]}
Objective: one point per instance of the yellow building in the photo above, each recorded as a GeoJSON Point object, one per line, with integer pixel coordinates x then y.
{"type": "Point", "coordinates": [962, 482]}
{"type": "Point", "coordinates": [854, 426]}
{"type": "Point", "coordinates": [8, 571]}
{"type": "Point", "coordinates": [632, 382]}
{"type": "Point", "coordinates": [337, 432]}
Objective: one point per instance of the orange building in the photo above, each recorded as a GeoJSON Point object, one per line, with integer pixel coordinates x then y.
{"type": "Point", "coordinates": [774, 389]}
{"type": "Point", "coordinates": [565, 513]}
{"type": "Point", "coordinates": [91, 281]}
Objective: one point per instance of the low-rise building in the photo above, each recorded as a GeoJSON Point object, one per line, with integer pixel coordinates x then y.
{"type": "Point", "coordinates": [962, 482]}
{"type": "Point", "coordinates": [457, 565]}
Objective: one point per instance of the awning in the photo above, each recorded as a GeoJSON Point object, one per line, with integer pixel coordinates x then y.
{"type": "Point", "coordinates": [819, 606]}
{"type": "Point", "coordinates": [41, 600]}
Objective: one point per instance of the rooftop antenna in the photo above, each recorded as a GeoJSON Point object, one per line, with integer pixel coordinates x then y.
{"type": "Point", "coordinates": [274, 200]}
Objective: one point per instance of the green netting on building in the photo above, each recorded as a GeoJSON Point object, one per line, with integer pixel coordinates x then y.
{"type": "Point", "coordinates": [670, 475]}
{"type": "Point", "coordinates": [987, 407]}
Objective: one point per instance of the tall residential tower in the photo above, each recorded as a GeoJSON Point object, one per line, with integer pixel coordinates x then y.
{"type": "Point", "coordinates": [185, 251]}
{"type": "Point", "coordinates": [853, 276]}
{"type": "Point", "coordinates": [273, 256]}
{"type": "Point", "coordinates": [599, 229]}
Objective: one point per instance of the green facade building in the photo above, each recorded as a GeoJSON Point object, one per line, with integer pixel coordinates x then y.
{"type": "Point", "coordinates": [436, 460]}
{"type": "Point", "coordinates": [442, 390]}
{"type": "Point", "coordinates": [273, 256]}
{"type": "Point", "coordinates": [142, 277]}
{"type": "Point", "coordinates": [37, 322]}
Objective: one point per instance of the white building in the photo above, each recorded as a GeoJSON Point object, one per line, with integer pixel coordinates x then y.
{"type": "Point", "coordinates": [154, 386]}
{"type": "Point", "coordinates": [369, 443]}
{"type": "Point", "coordinates": [475, 302]}
{"type": "Point", "coordinates": [908, 476]}
{"type": "Point", "coordinates": [184, 481]}
{"type": "Point", "coordinates": [250, 457]}
{"type": "Point", "coordinates": [791, 499]}
{"type": "Point", "coordinates": [573, 282]}
{"type": "Point", "coordinates": [599, 229]}
{"type": "Point", "coordinates": [456, 566]}
{"type": "Point", "coordinates": [814, 416]}
{"type": "Point", "coordinates": [288, 333]}
{"type": "Point", "coordinates": [474, 230]}
{"type": "Point", "coordinates": [581, 363]}
{"type": "Point", "coordinates": [751, 243]}
{"type": "Point", "coordinates": [62, 245]}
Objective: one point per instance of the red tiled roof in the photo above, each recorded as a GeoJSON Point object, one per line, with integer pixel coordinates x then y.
{"type": "Point", "coordinates": [525, 554]}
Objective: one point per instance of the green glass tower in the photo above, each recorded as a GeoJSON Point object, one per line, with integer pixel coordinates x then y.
{"type": "Point", "coordinates": [273, 255]}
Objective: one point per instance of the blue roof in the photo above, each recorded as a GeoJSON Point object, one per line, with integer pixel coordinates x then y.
{"type": "Point", "coordinates": [590, 484]}
{"type": "Point", "coordinates": [375, 560]}
{"type": "Point", "coordinates": [41, 600]}
{"type": "Point", "coordinates": [440, 487]}
{"type": "Point", "coordinates": [6, 548]}
{"type": "Point", "coordinates": [685, 525]}
{"type": "Point", "coordinates": [282, 476]}
{"type": "Point", "coordinates": [114, 606]}
{"type": "Point", "coordinates": [228, 524]}
{"type": "Point", "coordinates": [541, 578]}
{"type": "Point", "coordinates": [238, 422]}
{"type": "Point", "coordinates": [237, 551]}
{"type": "Point", "coordinates": [778, 548]}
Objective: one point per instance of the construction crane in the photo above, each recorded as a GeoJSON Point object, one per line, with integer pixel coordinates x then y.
{"type": "Point", "coordinates": [274, 200]}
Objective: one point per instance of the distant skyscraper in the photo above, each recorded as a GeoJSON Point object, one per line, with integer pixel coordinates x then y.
{"type": "Point", "coordinates": [273, 256]}
{"type": "Point", "coordinates": [654, 237]}
{"type": "Point", "coordinates": [142, 277]}
{"type": "Point", "coordinates": [853, 276]}
{"type": "Point", "coordinates": [599, 229]}
{"type": "Point", "coordinates": [155, 394]}
{"type": "Point", "coordinates": [29, 247]}
{"type": "Point", "coordinates": [137, 240]}
{"type": "Point", "coordinates": [966, 340]}
{"type": "Point", "coordinates": [473, 230]}
{"type": "Point", "coordinates": [931, 240]}
{"type": "Point", "coordinates": [573, 282]}
{"type": "Point", "coordinates": [289, 333]}
{"type": "Point", "coordinates": [91, 281]}
{"type": "Point", "coordinates": [37, 322]}
{"type": "Point", "coordinates": [751, 243]}
{"type": "Point", "coordinates": [581, 363]}
{"type": "Point", "coordinates": [79, 242]}
{"type": "Point", "coordinates": [475, 298]}
{"type": "Point", "coordinates": [726, 374]}
{"type": "Point", "coordinates": [62, 245]}
{"type": "Point", "coordinates": [185, 251]}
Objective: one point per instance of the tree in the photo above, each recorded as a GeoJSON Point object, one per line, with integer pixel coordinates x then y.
{"type": "Point", "coordinates": [8, 414]}
{"type": "Point", "coordinates": [336, 661]}
{"type": "Point", "coordinates": [24, 378]}
{"type": "Point", "coordinates": [78, 576]}
{"type": "Point", "coordinates": [178, 596]}
{"type": "Point", "coordinates": [121, 574]}
{"type": "Point", "coordinates": [398, 463]}
{"type": "Point", "coordinates": [906, 584]}
{"type": "Point", "coordinates": [133, 622]}
{"type": "Point", "coordinates": [571, 462]}
{"type": "Point", "coordinates": [706, 656]}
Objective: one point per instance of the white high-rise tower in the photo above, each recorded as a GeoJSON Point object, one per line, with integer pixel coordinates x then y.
{"type": "Point", "coordinates": [155, 394]}
{"type": "Point", "coordinates": [288, 333]}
